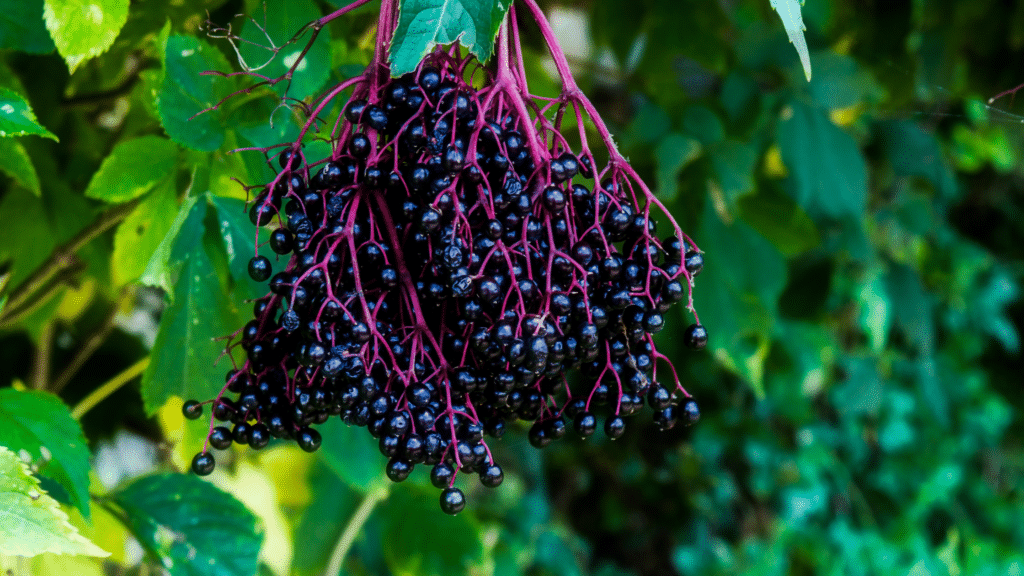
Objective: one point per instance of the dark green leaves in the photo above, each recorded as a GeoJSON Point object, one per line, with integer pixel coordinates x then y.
{"type": "Point", "coordinates": [22, 27]}
{"type": "Point", "coordinates": [190, 526]}
{"type": "Point", "coordinates": [17, 118]}
{"type": "Point", "coordinates": [423, 24]}
{"type": "Point", "coordinates": [423, 542]}
{"type": "Point", "coordinates": [41, 424]}
{"type": "Point", "coordinates": [84, 29]}
{"type": "Point", "coordinates": [133, 168]}
{"type": "Point", "coordinates": [31, 522]}
{"type": "Point", "coordinates": [199, 311]}
{"type": "Point", "coordinates": [828, 175]}
{"type": "Point", "coordinates": [185, 94]}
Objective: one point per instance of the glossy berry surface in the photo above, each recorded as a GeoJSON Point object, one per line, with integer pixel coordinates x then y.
{"type": "Point", "coordinates": [454, 266]}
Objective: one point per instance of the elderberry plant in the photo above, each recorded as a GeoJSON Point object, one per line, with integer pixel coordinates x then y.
{"type": "Point", "coordinates": [455, 265]}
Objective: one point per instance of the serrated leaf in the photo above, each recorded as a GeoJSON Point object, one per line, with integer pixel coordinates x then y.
{"type": "Point", "coordinates": [192, 527]}
{"type": "Point", "coordinates": [16, 163]}
{"type": "Point", "coordinates": [138, 238]}
{"type": "Point", "coordinates": [452, 545]}
{"type": "Point", "coordinates": [423, 24]}
{"type": "Point", "coordinates": [22, 27]}
{"type": "Point", "coordinates": [17, 118]}
{"type": "Point", "coordinates": [185, 350]}
{"type": "Point", "coordinates": [280, 21]}
{"type": "Point", "coordinates": [793, 22]}
{"type": "Point", "coordinates": [133, 168]}
{"type": "Point", "coordinates": [84, 29]}
{"type": "Point", "coordinates": [31, 522]}
{"type": "Point", "coordinates": [827, 172]}
{"type": "Point", "coordinates": [184, 93]}
{"type": "Point", "coordinates": [40, 424]}
{"type": "Point", "coordinates": [239, 242]}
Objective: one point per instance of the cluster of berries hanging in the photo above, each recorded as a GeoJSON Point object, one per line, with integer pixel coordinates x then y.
{"type": "Point", "coordinates": [455, 266]}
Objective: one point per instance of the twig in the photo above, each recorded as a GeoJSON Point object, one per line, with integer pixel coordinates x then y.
{"type": "Point", "coordinates": [63, 258]}
{"type": "Point", "coordinates": [88, 348]}
{"type": "Point", "coordinates": [44, 354]}
{"type": "Point", "coordinates": [113, 385]}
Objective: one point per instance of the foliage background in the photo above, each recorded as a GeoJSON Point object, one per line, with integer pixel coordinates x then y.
{"type": "Point", "coordinates": [863, 235]}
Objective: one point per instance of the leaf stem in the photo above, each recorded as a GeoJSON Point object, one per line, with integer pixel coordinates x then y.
{"type": "Point", "coordinates": [355, 524]}
{"type": "Point", "coordinates": [111, 386]}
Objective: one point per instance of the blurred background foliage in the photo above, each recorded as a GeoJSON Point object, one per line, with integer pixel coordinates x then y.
{"type": "Point", "coordinates": [861, 391]}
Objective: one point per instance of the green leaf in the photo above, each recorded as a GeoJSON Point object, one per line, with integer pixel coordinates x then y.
{"type": "Point", "coordinates": [789, 11]}
{"type": "Point", "coordinates": [353, 455]}
{"type": "Point", "coordinates": [914, 152]}
{"type": "Point", "coordinates": [912, 307]}
{"type": "Point", "coordinates": [276, 23]}
{"type": "Point", "coordinates": [192, 527]}
{"type": "Point", "coordinates": [184, 94]}
{"type": "Point", "coordinates": [16, 163]}
{"type": "Point", "coordinates": [138, 238]}
{"type": "Point", "coordinates": [452, 545]}
{"type": "Point", "coordinates": [84, 29]}
{"type": "Point", "coordinates": [875, 311]}
{"type": "Point", "coordinates": [733, 163]}
{"type": "Point", "coordinates": [40, 424]}
{"type": "Point", "coordinates": [31, 522]}
{"type": "Point", "coordinates": [423, 24]}
{"type": "Point", "coordinates": [133, 168]}
{"type": "Point", "coordinates": [737, 295]}
{"type": "Point", "coordinates": [776, 217]}
{"type": "Point", "coordinates": [22, 27]}
{"type": "Point", "coordinates": [239, 242]}
{"type": "Point", "coordinates": [841, 82]}
{"type": "Point", "coordinates": [828, 175]}
{"type": "Point", "coordinates": [190, 218]}
{"type": "Point", "coordinates": [674, 152]}
{"type": "Point", "coordinates": [17, 118]}
{"type": "Point", "coordinates": [334, 502]}
{"type": "Point", "coordinates": [185, 350]}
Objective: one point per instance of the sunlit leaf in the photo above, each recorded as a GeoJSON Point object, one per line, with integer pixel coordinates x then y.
{"type": "Point", "coordinates": [84, 29]}
{"type": "Point", "coordinates": [31, 522]}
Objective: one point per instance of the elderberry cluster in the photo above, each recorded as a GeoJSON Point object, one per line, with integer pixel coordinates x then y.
{"type": "Point", "coordinates": [445, 273]}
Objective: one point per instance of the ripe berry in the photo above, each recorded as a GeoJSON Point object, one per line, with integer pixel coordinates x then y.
{"type": "Point", "coordinates": [615, 427]}
{"type": "Point", "coordinates": [492, 476]}
{"type": "Point", "coordinates": [220, 438]}
{"type": "Point", "coordinates": [452, 501]}
{"type": "Point", "coordinates": [690, 413]}
{"type": "Point", "coordinates": [203, 464]}
{"type": "Point", "coordinates": [694, 263]}
{"type": "Point", "coordinates": [308, 439]}
{"type": "Point", "coordinates": [696, 337]}
{"type": "Point", "coordinates": [441, 475]}
{"type": "Point", "coordinates": [192, 410]}
{"type": "Point", "coordinates": [259, 268]}
{"type": "Point", "coordinates": [398, 469]}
